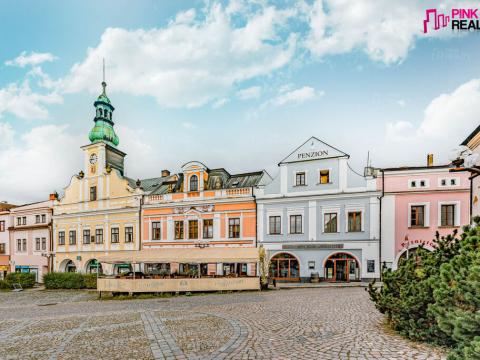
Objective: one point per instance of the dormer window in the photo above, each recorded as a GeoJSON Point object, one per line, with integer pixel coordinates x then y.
{"type": "Point", "coordinates": [235, 184]}
{"type": "Point", "coordinates": [194, 183]}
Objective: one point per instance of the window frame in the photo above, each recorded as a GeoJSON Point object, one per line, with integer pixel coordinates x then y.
{"type": "Point", "coordinates": [234, 230]}
{"type": "Point", "coordinates": [86, 240]}
{"type": "Point", "coordinates": [456, 213]}
{"type": "Point", "coordinates": [37, 219]}
{"type": "Point", "coordinates": [302, 175]}
{"type": "Point", "coordinates": [207, 230]}
{"type": "Point", "coordinates": [99, 235]}
{"type": "Point", "coordinates": [329, 213]}
{"type": "Point", "coordinates": [417, 218]}
{"type": "Point", "coordinates": [93, 193]}
{"type": "Point", "coordinates": [290, 230]}
{"type": "Point", "coordinates": [44, 244]}
{"type": "Point", "coordinates": [37, 244]}
{"type": "Point", "coordinates": [3, 248]}
{"type": "Point", "coordinates": [2, 225]}
{"type": "Point", "coordinates": [61, 237]}
{"type": "Point", "coordinates": [190, 229]}
{"type": "Point", "coordinates": [275, 223]}
{"type": "Point", "coordinates": [44, 218]}
{"type": "Point", "coordinates": [128, 234]}
{"type": "Point", "coordinates": [156, 230]}
{"type": "Point", "coordinates": [320, 176]}
{"type": "Point", "coordinates": [72, 237]}
{"type": "Point", "coordinates": [190, 182]}
{"type": "Point", "coordinates": [354, 211]}
{"type": "Point", "coordinates": [114, 235]}
{"type": "Point", "coordinates": [180, 226]}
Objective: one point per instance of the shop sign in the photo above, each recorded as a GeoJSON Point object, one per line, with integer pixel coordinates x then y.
{"type": "Point", "coordinates": [311, 246]}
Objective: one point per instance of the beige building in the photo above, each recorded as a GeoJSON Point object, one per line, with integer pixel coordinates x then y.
{"type": "Point", "coordinates": [473, 165]}
{"type": "Point", "coordinates": [99, 212]}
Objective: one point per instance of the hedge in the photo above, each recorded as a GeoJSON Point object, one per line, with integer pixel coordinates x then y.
{"type": "Point", "coordinates": [26, 280]}
{"type": "Point", "coordinates": [69, 280]}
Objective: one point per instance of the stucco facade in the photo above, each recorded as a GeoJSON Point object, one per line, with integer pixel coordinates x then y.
{"type": "Point", "coordinates": [333, 210]}
{"type": "Point", "coordinates": [5, 224]}
{"type": "Point", "coordinates": [473, 143]}
{"type": "Point", "coordinates": [416, 203]}
{"type": "Point", "coordinates": [30, 239]}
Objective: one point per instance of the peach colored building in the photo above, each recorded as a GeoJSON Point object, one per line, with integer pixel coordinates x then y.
{"type": "Point", "coordinates": [202, 208]}
{"type": "Point", "coordinates": [31, 238]}
{"type": "Point", "coordinates": [416, 202]}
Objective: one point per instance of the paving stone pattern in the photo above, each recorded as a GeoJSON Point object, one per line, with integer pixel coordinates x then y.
{"type": "Point", "coordinates": [323, 323]}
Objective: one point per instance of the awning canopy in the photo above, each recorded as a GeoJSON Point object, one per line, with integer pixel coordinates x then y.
{"type": "Point", "coordinates": [183, 255]}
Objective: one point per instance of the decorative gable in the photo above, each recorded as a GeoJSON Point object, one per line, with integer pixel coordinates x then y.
{"type": "Point", "coordinates": [313, 149]}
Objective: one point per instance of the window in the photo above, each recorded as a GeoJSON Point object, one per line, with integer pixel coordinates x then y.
{"type": "Point", "coordinates": [2, 226]}
{"type": "Point", "coordinates": [93, 193]}
{"type": "Point", "coordinates": [24, 245]}
{"type": "Point", "coordinates": [370, 266]}
{"type": "Point", "coordinates": [99, 236]}
{"type": "Point", "coordinates": [324, 176]}
{"type": "Point", "coordinates": [234, 228]}
{"type": "Point", "coordinates": [447, 215]}
{"type": "Point", "coordinates": [61, 238]}
{"type": "Point", "coordinates": [193, 183]}
{"type": "Point", "coordinates": [86, 237]}
{"type": "Point", "coordinates": [72, 237]}
{"type": "Point", "coordinates": [208, 228]}
{"type": "Point", "coordinates": [422, 183]}
{"type": "Point", "coordinates": [311, 265]}
{"type": "Point", "coordinates": [453, 182]}
{"type": "Point", "coordinates": [417, 215]}
{"type": "Point", "coordinates": [44, 218]}
{"type": "Point", "coordinates": [37, 244]}
{"type": "Point", "coordinates": [300, 179]}
{"type": "Point", "coordinates": [24, 220]}
{"type": "Point", "coordinates": [129, 234]}
{"type": "Point", "coordinates": [413, 184]}
{"type": "Point", "coordinates": [19, 221]}
{"type": "Point", "coordinates": [115, 235]}
{"type": "Point", "coordinates": [355, 221]}
{"type": "Point", "coordinates": [37, 219]}
{"type": "Point", "coordinates": [295, 224]}
{"type": "Point", "coordinates": [330, 223]}
{"type": "Point", "coordinates": [19, 245]}
{"type": "Point", "coordinates": [178, 230]}
{"type": "Point", "coordinates": [156, 230]}
{"type": "Point", "coordinates": [2, 249]}
{"type": "Point", "coordinates": [443, 182]}
{"type": "Point", "coordinates": [274, 225]}
{"type": "Point", "coordinates": [44, 244]}
{"type": "Point", "coordinates": [193, 229]}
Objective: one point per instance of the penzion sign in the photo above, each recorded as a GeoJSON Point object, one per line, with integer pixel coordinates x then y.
{"type": "Point", "coordinates": [312, 155]}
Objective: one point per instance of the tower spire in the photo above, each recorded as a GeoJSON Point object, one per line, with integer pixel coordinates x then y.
{"type": "Point", "coordinates": [104, 84]}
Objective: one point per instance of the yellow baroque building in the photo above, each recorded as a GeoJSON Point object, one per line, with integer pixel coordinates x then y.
{"type": "Point", "coordinates": [99, 212]}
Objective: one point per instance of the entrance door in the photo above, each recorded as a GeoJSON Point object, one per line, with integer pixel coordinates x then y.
{"type": "Point", "coordinates": [341, 267]}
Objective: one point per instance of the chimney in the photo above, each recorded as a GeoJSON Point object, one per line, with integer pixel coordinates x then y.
{"type": "Point", "coordinates": [165, 173]}
{"type": "Point", "coordinates": [53, 196]}
{"type": "Point", "coordinates": [430, 160]}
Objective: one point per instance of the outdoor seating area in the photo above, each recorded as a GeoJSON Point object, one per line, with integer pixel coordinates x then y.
{"type": "Point", "coordinates": [181, 270]}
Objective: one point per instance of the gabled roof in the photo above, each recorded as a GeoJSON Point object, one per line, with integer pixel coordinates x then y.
{"type": "Point", "coordinates": [471, 136]}
{"type": "Point", "coordinates": [313, 149]}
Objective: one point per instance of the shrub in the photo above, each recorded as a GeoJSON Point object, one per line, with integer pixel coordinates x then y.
{"type": "Point", "coordinates": [68, 280]}
{"type": "Point", "coordinates": [26, 280]}
{"type": "Point", "coordinates": [4, 285]}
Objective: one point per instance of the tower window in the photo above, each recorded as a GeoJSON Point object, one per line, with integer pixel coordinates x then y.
{"type": "Point", "coordinates": [194, 183]}
{"type": "Point", "coordinates": [93, 193]}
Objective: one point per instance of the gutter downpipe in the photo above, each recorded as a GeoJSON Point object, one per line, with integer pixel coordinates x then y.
{"type": "Point", "coordinates": [380, 225]}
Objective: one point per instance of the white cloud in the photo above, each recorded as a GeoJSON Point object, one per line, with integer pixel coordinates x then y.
{"type": "Point", "coordinates": [384, 29]}
{"type": "Point", "coordinates": [188, 125]}
{"type": "Point", "coordinates": [447, 121]}
{"type": "Point", "coordinates": [35, 163]}
{"type": "Point", "coordinates": [219, 103]}
{"type": "Point", "coordinates": [402, 103]}
{"type": "Point", "coordinates": [191, 61]}
{"type": "Point", "coordinates": [249, 93]}
{"type": "Point", "coordinates": [32, 58]}
{"type": "Point", "coordinates": [296, 96]}
{"type": "Point", "coordinates": [21, 101]}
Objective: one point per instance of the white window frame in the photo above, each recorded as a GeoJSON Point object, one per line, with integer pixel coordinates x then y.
{"type": "Point", "coordinates": [417, 183]}
{"type": "Point", "coordinates": [330, 210]}
{"type": "Point", "coordinates": [329, 176]}
{"type": "Point", "coordinates": [296, 212]}
{"type": "Point", "coordinates": [426, 222]}
{"type": "Point", "coordinates": [349, 209]}
{"type": "Point", "coordinates": [274, 213]}
{"type": "Point", "coordinates": [448, 179]}
{"type": "Point", "coordinates": [294, 181]}
{"type": "Point", "coordinates": [456, 220]}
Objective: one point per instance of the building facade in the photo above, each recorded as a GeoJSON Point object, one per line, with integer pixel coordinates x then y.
{"type": "Point", "coordinates": [30, 238]}
{"type": "Point", "coordinates": [5, 224]}
{"type": "Point", "coordinates": [417, 202]}
{"type": "Point", "coordinates": [318, 218]}
{"type": "Point", "coordinates": [473, 143]}
{"type": "Point", "coordinates": [99, 211]}
{"type": "Point", "coordinates": [202, 208]}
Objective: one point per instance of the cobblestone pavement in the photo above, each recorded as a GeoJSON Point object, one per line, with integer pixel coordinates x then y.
{"type": "Point", "coordinates": [323, 323]}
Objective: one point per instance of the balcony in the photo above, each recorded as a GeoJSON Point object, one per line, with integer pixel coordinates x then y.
{"type": "Point", "coordinates": [201, 195]}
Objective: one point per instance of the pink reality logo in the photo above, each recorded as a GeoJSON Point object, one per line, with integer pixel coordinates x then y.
{"type": "Point", "coordinates": [460, 19]}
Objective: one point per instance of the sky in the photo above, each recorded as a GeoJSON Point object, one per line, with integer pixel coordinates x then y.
{"type": "Point", "coordinates": [232, 84]}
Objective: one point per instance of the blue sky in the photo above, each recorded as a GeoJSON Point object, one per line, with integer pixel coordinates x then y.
{"type": "Point", "coordinates": [232, 84]}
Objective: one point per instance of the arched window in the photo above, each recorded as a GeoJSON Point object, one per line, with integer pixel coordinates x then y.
{"type": "Point", "coordinates": [98, 112]}
{"type": "Point", "coordinates": [285, 266]}
{"type": "Point", "coordinates": [193, 183]}
{"type": "Point", "coordinates": [101, 112]}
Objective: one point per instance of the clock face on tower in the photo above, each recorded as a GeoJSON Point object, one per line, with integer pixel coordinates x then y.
{"type": "Point", "coordinates": [93, 159]}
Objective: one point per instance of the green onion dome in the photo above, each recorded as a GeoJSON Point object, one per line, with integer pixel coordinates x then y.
{"type": "Point", "coordinates": [103, 128]}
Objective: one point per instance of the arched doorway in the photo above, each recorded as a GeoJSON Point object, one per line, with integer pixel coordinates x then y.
{"type": "Point", "coordinates": [341, 267]}
{"type": "Point", "coordinates": [285, 267]}
{"type": "Point", "coordinates": [68, 265]}
{"type": "Point", "coordinates": [93, 266]}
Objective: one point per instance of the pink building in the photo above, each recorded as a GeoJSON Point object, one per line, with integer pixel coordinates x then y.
{"type": "Point", "coordinates": [5, 223]}
{"type": "Point", "coordinates": [30, 238]}
{"type": "Point", "coordinates": [416, 202]}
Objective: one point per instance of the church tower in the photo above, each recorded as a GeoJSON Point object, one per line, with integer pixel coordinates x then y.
{"type": "Point", "coordinates": [102, 155]}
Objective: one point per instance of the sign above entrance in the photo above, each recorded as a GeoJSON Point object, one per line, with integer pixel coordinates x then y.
{"type": "Point", "coordinates": [311, 246]}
